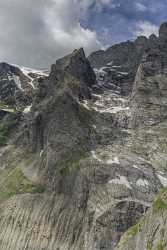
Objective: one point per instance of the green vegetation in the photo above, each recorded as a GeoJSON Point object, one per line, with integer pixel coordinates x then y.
{"type": "Point", "coordinates": [85, 116]}
{"type": "Point", "coordinates": [5, 126]}
{"type": "Point", "coordinates": [3, 134]}
{"type": "Point", "coordinates": [70, 167]}
{"type": "Point", "coordinates": [163, 192]}
{"type": "Point", "coordinates": [17, 183]}
{"type": "Point", "coordinates": [5, 107]}
{"type": "Point", "coordinates": [149, 245]}
{"type": "Point", "coordinates": [161, 245]}
{"type": "Point", "coordinates": [134, 230]}
{"type": "Point", "coordinates": [160, 204]}
{"type": "Point", "coordinates": [130, 233]}
{"type": "Point", "coordinates": [161, 201]}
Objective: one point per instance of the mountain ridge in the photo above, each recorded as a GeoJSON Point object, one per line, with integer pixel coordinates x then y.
{"type": "Point", "coordinates": [82, 161]}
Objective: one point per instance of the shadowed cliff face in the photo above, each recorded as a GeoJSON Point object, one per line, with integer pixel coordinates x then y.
{"type": "Point", "coordinates": [119, 63]}
{"type": "Point", "coordinates": [150, 118]}
{"type": "Point", "coordinates": [83, 161]}
{"type": "Point", "coordinates": [124, 59]}
{"type": "Point", "coordinates": [77, 66]}
{"type": "Point", "coordinates": [14, 87]}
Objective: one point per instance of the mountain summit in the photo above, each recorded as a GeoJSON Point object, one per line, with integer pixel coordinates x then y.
{"type": "Point", "coordinates": [83, 162]}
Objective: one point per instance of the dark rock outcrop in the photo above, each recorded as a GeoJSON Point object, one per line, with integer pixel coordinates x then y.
{"type": "Point", "coordinates": [14, 87]}
{"type": "Point", "coordinates": [163, 32]}
{"type": "Point", "coordinates": [150, 88]}
{"type": "Point", "coordinates": [124, 58]}
{"type": "Point", "coordinates": [75, 68]}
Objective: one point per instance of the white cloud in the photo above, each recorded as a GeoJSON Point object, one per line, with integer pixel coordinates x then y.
{"type": "Point", "coordinates": [145, 28]}
{"type": "Point", "coordinates": [68, 34]}
{"type": "Point", "coordinates": [98, 5]}
{"type": "Point", "coordinates": [36, 33]}
{"type": "Point", "coordinates": [140, 7]}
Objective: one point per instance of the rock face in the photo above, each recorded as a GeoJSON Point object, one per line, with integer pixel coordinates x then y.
{"type": "Point", "coordinates": [83, 161]}
{"type": "Point", "coordinates": [12, 85]}
{"type": "Point", "coordinates": [149, 117]}
{"type": "Point", "coordinates": [16, 85]}
{"type": "Point", "coordinates": [119, 63]}
{"type": "Point", "coordinates": [74, 66]}
{"type": "Point", "coordinates": [124, 59]}
{"type": "Point", "coordinates": [150, 232]}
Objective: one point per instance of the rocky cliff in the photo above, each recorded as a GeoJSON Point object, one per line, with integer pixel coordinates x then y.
{"type": "Point", "coordinates": [83, 152]}
{"type": "Point", "coordinates": [119, 64]}
{"type": "Point", "coordinates": [149, 117]}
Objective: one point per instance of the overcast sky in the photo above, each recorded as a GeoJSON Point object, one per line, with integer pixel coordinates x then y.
{"type": "Point", "coordinates": [35, 33]}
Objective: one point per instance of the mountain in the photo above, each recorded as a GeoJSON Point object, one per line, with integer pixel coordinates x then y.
{"type": "Point", "coordinates": [83, 156]}
{"type": "Point", "coordinates": [17, 85]}
{"type": "Point", "coordinates": [119, 63]}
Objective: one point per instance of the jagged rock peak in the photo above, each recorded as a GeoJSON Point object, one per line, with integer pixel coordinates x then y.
{"type": "Point", "coordinates": [153, 41]}
{"type": "Point", "coordinates": [152, 37]}
{"type": "Point", "coordinates": [5, 67]}
{"type": "Point", "coordinates": [141, 40]}
{"type": "Point", "coordinates": [75, 64]}
{"type": "Point", "coordinates": [163, 32]}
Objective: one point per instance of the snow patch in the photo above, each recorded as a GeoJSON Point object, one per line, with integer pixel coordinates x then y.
{"type": "Point", "coordinates": [99, 104]}
{"type": "Point", "coordinates": [163, 180]}
{"type": "Point", "coordinates": [95, 95]}
{"type": "Point", "coordinates": [112, 110]}
{"type": "Point", "coordinates": [41, 152]}
{"type": "Point", "coordinates": [95, 156]}
{"type": "Point", "coordinates": [116, 66]}
{"type": "Point", "coordinates": [121, 180]}
{"type": "Point", "coordinates": [111, 161]}
{"type": "Point", "coordinates": [115, 110]}
{"type": "Point", "coordinates": [28, 71]}
{"type": "Point", "coordinates": [142, 183]}
{"type": "Point", "coordinates": [123, 73]}
{"type": "Point", "coordinates": [100, 72]}
{"type": "Point", "coordinates": [85, 104]}
{"type": "Point", "coordinates": [27, 109]}
{"type": "Point", "coordinates": [17, 81]}
{"type": "Point", "coordinates": [135, 166]}
{"type": "Point", "coordinates": [110, 63]}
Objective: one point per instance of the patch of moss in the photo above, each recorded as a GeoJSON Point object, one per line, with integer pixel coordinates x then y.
{"type": "Point", "coordinates": [134, 230]}
{"type": "Point", "coordinates": [160, 204]}
{"type": "Point", "coordinates": [4, 106]}
{"type": "Point", "coordinates": [5, 126]}
{"type": "Point", "coordinates": [149, 245]}
{"type": "Point", "coordinates": [17, 183]}
{"type": "Point", "coordinates": [130, 233]}
{"type": "Point", "coordinates": [72, 161]}
{"type": "Point", "coordinates": [163, 193]}
{"type": "Point", "coordinates": [70, 167]}
{"type": "Point", "coordinates": [161, 245]}
{"type": "Point", "coordinates": [85, 116]}
{"type": "Point", "coordinates": [3, 134]}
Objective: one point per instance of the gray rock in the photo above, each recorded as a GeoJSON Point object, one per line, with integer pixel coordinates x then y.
{"type": "Point", "coordinates": [83, 167]}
